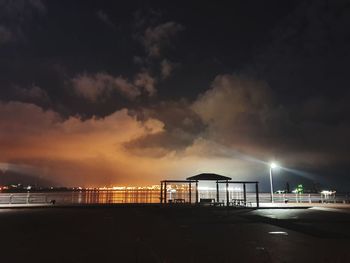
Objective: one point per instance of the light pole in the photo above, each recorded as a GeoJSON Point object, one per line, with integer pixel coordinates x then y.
{"type": "Point", "coordinates": [272, 166]}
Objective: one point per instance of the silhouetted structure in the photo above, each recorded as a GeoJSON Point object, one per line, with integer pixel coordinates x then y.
{"type": "Point", "coordinates": [220, 179]}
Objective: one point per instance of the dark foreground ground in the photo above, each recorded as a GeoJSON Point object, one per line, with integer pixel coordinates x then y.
{"type": "Point", "coordinates": [173, 234]}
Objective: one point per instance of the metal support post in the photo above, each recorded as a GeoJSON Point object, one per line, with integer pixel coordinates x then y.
{"type": "Point", "coordinates": [217, 191]}
{"type": "Point", "coordinates": [165, 193]}
{"type": "Point", "coordinates": [257, 194]}
{"type": "Point", "coordinates": [244, 194]}
{"type": "Point", "coordinates": [161, 192]}
{"type": "Point", "coordinates": [227, 195]}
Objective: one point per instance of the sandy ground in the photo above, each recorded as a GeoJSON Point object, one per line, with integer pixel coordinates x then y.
{"type": "Point", "coordinates": [173, 234]}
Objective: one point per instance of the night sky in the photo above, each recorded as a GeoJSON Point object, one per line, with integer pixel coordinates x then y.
{"type": "Point", "coordinates": [96, 93]}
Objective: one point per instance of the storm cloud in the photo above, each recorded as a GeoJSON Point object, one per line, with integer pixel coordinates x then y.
{"type": "Point", "coordinates": [135, 94]}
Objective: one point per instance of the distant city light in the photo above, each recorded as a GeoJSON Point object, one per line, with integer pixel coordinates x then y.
{"type": "Point", "coordinates": [124, 188]}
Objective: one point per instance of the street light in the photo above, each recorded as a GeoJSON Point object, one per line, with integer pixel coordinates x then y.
{"type": "Point", "coordinates": [272, 166]}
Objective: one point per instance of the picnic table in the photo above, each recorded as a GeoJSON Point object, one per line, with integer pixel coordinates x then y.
{"type": "Point", "coordinates": [210, 201]}
{"type": "Point", "coordinates": [179, 200]}
{"type": "Point", "coordinates": [206, 200]}
{"type": "Point", "coordinates": [240, 202]}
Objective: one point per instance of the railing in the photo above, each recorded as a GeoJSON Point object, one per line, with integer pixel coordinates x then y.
{"type": "Point", "coordinates": [263, 197]}
{"type": "Point", "coordinates": [81, 197]}
{"type": "Point", "coordinates": [152, 196]}
{"type": "Point", "coordinates": [304, 198]}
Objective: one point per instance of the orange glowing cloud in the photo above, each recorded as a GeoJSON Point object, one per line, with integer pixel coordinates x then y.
{"type": "Point", "coordinates": [70, 148]}
{"type": "Point", "coordinates": [92, 152]}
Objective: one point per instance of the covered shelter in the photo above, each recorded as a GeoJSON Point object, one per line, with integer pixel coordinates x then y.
{"type": "Point", "coordinates": [244, 184]}
{"type": "Point", "coordinates": [219, 179]}
{"type": "Point", "coordinates": [209, 177]}
{"type": "Point", "coordinates": [165, 183]}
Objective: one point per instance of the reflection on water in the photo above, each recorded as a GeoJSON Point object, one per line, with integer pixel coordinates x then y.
{"type": "Point", "coordinates": [129, 196]}
{"type": "Point", "coordinates": [113, 197]}
{"type": "Point", "coordinates": [83, 197]}
{"type": "Point", "coordinates": [143, 196]}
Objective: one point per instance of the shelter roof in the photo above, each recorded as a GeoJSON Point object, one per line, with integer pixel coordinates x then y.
{"type": "Point", "coordinates": [208, 177]}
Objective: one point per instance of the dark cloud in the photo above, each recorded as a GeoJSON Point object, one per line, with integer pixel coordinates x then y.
{"type": "Point", "coordinates": [101, 86]}
{"type": "Point", "coordinates": [307, 52]}
{"type": "Point", "coordinates": [242, 114]}
{"type": "Point", "coordinates": [181, 127]}
{"type": "Point", "coordinates": [21, 10]}
{"type": "Point", "coordinates": [32, 94]}
{"type": "Point", "coordinates": [155, 39]}
{"type": "Point", "coordinates": [102, 15]}
{"type": "Point", "coordinates": [167, 68]}
{"type": "Point", "coordinates": [14, 16]}
{"type": "Point", "coordinates": [236, 111]}
{"type": "Point", "coordinates": [146, 81]}
{"type": "Point", "coordinates": [6, 35]}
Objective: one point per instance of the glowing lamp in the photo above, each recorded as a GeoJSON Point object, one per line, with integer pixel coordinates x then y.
{"type": "Point", "coordinates": [273, 165]}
